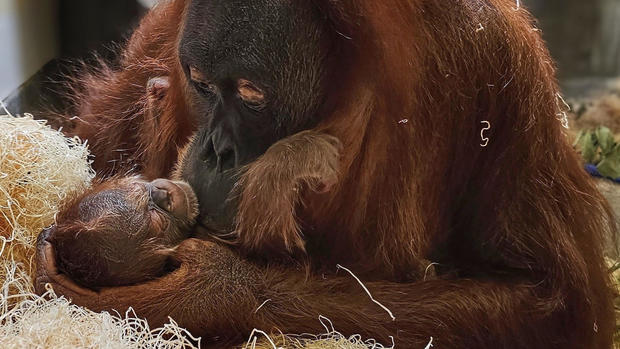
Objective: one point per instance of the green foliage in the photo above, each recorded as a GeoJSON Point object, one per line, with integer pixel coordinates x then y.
{"type": "Point", "coordinates": [599, 147]}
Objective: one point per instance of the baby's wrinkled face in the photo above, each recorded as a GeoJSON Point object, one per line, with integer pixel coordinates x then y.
{"type": "Point", "coordinates": [162, 209]}
{"type": "Point", "coordinates": [123, 231]}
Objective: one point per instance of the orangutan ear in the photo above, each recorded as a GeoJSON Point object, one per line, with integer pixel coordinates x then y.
{"type": "Point", "coordinates": [157, 87]}
{"type": "Point", "coordinates": [47, 234]}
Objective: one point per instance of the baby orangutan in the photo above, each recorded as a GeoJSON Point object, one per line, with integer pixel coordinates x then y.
{"type": "Point", "coordinates": [123, 231]}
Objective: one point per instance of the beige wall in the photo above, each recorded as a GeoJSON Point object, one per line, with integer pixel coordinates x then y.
{"type": "Point", "coordinates": [28, 39]}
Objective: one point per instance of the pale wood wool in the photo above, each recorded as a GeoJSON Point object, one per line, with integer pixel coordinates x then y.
{"type": "Point", "coordinates": [39, 168]}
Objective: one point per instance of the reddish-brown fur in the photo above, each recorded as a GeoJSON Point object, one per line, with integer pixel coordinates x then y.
{"type": "Point", "coordinates": [126, 132]}
{"type": "Point", "coordinates": [271, 190]}
{"type": "Point", "coordinates": [515, 226]}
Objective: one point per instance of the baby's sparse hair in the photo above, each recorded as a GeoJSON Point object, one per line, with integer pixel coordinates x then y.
{"type": "Point", "coordinates": [117, 234]}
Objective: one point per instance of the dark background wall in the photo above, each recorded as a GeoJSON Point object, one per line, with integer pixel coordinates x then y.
{"type": "Point", "coordinates": [74, 31]}
{"type": "Point", "coordinates": [583, 35]}
{"type": "Point", "coordinates": [89, 25]}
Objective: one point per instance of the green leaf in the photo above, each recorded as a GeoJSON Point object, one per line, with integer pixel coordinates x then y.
{"type": "Point", "coordinates": [610, 164]}
{"type": "Point", "coordinates": [578, 138]}
{"type": "Point", "coordinates": [605, 139]}
{"type": "Point", "coordinates": [587, 147]}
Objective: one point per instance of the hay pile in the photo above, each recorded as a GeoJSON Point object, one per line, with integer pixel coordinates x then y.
{"type": "Point", "coordinates": [39, 169]}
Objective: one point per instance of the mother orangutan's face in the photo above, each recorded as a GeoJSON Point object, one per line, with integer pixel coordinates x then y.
{"type": "Point", "coordinates": [255, 69]}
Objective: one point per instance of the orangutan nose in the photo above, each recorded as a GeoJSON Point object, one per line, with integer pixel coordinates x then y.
{"type": "Point", "coordinates": [161, 197]}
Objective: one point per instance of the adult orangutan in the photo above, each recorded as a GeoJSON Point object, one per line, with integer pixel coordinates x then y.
{"type": "Point", "coordinates": [515, 227]}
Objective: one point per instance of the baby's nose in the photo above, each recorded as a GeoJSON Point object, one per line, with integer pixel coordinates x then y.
{"type": "Point", "coordinates": [161, 197]}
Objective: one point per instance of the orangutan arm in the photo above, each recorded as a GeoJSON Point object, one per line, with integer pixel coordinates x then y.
{"type": "Point", "coordinates": [214, 292]}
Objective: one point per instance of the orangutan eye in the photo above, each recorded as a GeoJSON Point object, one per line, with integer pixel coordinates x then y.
{"type": "Point", "coordinates": [250, 94]}
{"type": "Point", "coordinates": [200, 82]}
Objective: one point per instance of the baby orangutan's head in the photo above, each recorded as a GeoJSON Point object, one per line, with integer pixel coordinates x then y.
{"type": "Point", "coordinates": [123, 231]}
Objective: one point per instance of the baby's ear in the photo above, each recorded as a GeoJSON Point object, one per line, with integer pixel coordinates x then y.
{"type": "Point", "coordinates": [48, 234]}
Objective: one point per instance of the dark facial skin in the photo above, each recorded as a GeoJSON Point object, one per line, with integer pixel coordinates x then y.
{"type": "Point", "coordinates": [122, 232]}
{"type": "Point", "coordinates": [247, 89]}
